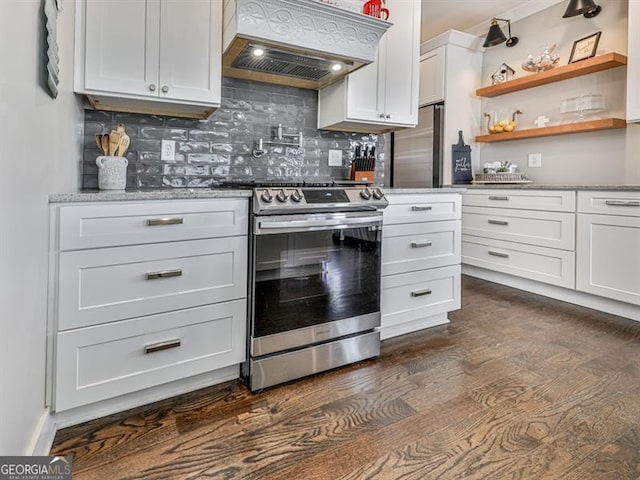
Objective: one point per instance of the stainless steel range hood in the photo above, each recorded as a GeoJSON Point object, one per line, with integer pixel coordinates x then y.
{"type": "Point", "coordinates": [301, 43]}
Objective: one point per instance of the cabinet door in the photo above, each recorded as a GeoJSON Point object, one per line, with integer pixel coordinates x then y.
{"type": "Point", "coordinates": [365, 89]}
{"type": "Point", "coordinates": [402, 64]}
{"type": "Point", "coordinates": [633, 65]}
{"type": "Point", "coordinates": [608, 257]}
{"type": "Point", "coordinates": [431, 88]}
{"type": "Point", "coordinates": [190, 50]}
{"type": "Point", "coordinates": [121, 49]}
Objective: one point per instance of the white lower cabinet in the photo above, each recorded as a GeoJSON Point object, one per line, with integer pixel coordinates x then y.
{"type": "Point", "coordinates": [113, 359]}
{"type": "Point", "coordinates": [509, 231]}
{"type": "Point", "coordinates": [420, 261]}
{"type": "Point", "coordinates": [146, 310]}
{"type": "Point", "coordinates": [608, 245]}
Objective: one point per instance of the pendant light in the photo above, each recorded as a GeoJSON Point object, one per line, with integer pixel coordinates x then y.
{"type": "Point", "coordinates": [496, 36]}
{"type": "Point", "coordinates": [588, 8]}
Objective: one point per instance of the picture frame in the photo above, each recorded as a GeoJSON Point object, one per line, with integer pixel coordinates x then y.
{"type": "Point", "coordinates": [585, 48]}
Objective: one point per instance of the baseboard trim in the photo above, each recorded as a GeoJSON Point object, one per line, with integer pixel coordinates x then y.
{"type": "Point", "coordinates": [143, 397]}
{"type": "Point", "coordinates": [413, 326]}
{"type": "Point", "coordinates": [602, 304]}
{"type": "Point", "coordinates": [43, 436]}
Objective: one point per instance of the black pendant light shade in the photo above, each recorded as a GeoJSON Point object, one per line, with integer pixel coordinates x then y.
{"type": "Point", "coordinates": [588, 8]}
{"type": "Point", "coordinates": [496, 36]}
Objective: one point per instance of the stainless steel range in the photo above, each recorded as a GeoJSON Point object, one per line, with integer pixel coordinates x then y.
{"type": "Point", "coordinates": [314, 280]}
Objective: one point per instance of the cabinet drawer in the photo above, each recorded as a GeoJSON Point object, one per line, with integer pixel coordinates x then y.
{"type": "Point", "coordinates": [416, 295]}
{"type": "Point", "coordinates": [417, 246]}
{"type": "Point", "coordinates": [115, 224]}
{"type": "Point", "coordinates": [546, 229]}
{"type": "Point", "coordinates": [109, 284]}
{"type": "Point", "coordinates": [608, 253]}
{"type": "Point", "coordinates": [610, 203]}
{"type": "Point", "coordinates": [549, 200]}
{"type": "Point", "coordinates": [548, 265]}
{"type": "Point", "coordinates": [105, 361]}
{"type": "Point", "coordinates": [421, 208]}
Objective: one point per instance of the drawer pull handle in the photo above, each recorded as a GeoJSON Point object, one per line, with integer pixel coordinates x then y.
{"type": "Point", "coordinates": [498, 197]}
{"type": "Point", "coordinates": [158, 347]}
{"type": "Point", "coordinates": [499, 254]}
{"type": "Point", "coordinates": [420, 244]}
{"type": "Point", "coordinates": [416, 208]}
{"type": "Point", "coordinates": [419, 293]}
{"type": "Point", "coordinates": [164, 274]}
{"type": "Point", "coordinates": [154, 222]}
{"type": "Point", "coordinates": [498, 222]}
{"type": "Point", "coordinates": [622, 203]}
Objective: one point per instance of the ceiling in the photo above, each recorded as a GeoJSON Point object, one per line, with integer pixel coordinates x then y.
{"type": "Point", "coordinates": [438, 16]}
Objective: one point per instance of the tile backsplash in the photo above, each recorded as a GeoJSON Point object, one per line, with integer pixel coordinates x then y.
{"type": "Point", "coordinates": [208, 151]}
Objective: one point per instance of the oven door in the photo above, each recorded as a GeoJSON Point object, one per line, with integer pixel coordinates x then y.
{"type": "Point", "coordinates": [316, 278]}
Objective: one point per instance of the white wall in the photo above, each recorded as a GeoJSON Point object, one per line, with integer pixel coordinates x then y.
{"type": "Point", "coordinates": [611, 156]}
{"type": "Point", "coordinates": [39, 152]}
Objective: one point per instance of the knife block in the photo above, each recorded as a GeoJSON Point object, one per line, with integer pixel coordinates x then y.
{"type": "Point", "coordinates": [361, 175]}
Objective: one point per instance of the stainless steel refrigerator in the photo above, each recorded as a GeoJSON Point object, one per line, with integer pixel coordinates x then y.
{"type": "Point", "coordinates": [417, 153]}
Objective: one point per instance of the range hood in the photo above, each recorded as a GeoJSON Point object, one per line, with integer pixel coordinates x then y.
{"type": "Point", "coordinates": [300, 43]}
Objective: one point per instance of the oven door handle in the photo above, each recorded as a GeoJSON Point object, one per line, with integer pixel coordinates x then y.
{"type": "Point", "coordinates": [320, 224]}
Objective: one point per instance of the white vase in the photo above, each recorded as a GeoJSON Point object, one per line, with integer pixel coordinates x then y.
{"type": "Point", "coordinates": [112, 172]}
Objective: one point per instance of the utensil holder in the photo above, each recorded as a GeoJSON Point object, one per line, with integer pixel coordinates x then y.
{"type": "Point", "coordinates": [112, 172]}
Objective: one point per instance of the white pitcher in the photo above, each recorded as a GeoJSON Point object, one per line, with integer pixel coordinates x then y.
{"type": "Point", "coordinates": [112, 172]}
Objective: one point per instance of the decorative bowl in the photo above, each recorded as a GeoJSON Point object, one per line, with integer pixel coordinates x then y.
{"type": "Point", "coordinates": [541, 61]}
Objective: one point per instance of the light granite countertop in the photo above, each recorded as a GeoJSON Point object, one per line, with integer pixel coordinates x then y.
{"type": "Point", "coordinates": [412, 191]}
{"type": "Point", "coordinates": [198, 193]}
{"type": "Point", "coordinates": [129, 195]}
{"type": "Point", "coordinates": [542, 186]}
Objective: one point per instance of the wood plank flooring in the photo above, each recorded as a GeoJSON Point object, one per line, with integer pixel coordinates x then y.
{"type": "Point", "coordinates": [516, 387]}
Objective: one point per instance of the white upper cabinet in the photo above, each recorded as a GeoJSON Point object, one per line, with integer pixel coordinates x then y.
{"type": "Point", "coordinates": [381, 96]}
{"type": "Point", "coordinates": [150, 56]}
{"type": "Point", "coordinates": [633, 63]}
{"type": "Point", "coordinates": [431, 88]}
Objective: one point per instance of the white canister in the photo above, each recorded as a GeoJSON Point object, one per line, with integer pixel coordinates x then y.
{"type": "Point", "coordinates": [112, 172]}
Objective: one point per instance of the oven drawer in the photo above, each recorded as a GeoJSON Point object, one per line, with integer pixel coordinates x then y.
{"type": "Point", "coordinates": [109, 284]}
{"type": "Point", "coordinates": [548, 200]}
{"type": "Point", "coordinates": [124, 223]}
{"type": "Point", "coordinates": [546, 229]}
{"type": "Point", "coordinates": [421, 208]}
{"type": "Point", "coordinates": [416, 295]}
{"type": "Point", "coordinates": [548, 265]}
{"type": "Point", "coordinates": [105, 361]}
{"type": "Point", "coordinates": [417, 246]}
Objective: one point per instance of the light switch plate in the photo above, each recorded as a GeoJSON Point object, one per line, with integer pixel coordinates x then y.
{"type": "Point", "coordinates": [335, 158]}
{"type": "Point", "coordinates": [535, 160]}
{"type": "Point", "coordinates": [168, 150]}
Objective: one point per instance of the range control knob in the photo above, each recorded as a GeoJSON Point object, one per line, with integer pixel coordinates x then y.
{"type": "Point", "coordinates": [266, 197]}
{"type": "Point", "coordinates": [295, 196]}
{"type": "Point", "coordinates": [377, 194]}
{"type": "Point", "coordinates": [281, 196]}
{"type": "Point", "coordinates": [365, 193]}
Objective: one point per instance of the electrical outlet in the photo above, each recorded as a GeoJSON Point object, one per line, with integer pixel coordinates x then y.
{"type": "Point", "coordinates": [168, 150]}
{"type": "Point", "coordinates": [335, 158]}
{"type": "Point", "coordinates": [535, 160]}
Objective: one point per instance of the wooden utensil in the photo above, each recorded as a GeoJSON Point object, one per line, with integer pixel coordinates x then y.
{"type": "Point", "coordinates": [120, 128]}
{"type": "Point", "coordinates": [104, 143]}
{"type": "Point", "coordinates": [114, 140]}
{"type": "Point", "coordinates": [123, 145]}
{"type": "Point", "coordinates": [99, 141]}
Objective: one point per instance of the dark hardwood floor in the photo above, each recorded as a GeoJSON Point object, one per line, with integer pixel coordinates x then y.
{"type": "Point", "coordinates": [516, 387]}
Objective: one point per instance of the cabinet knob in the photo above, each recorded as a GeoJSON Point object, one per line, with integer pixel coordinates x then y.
{"type": "Point", "coordinates": [382, 115]}
{"type": "Point", "coordinates": [388, 115]}
{"type": "Point", "coordinates": [152, 87]}
{"type": "Point", "coordinates": [165, 89]}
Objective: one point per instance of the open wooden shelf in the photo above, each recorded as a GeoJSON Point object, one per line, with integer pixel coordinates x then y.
{"type": "Point", "coordinates": [590, 126]}
{"type": "Point", "coordinates": [584, 67]}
